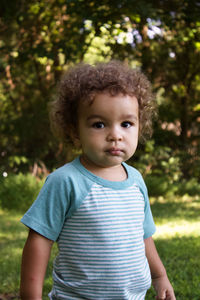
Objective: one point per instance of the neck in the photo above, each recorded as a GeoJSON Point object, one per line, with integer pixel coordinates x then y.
{"type": "Point", "coordinates": [112, 173]}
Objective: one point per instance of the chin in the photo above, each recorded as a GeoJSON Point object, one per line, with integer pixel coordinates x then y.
{"type": "Point", "coordinates": [114, 162]}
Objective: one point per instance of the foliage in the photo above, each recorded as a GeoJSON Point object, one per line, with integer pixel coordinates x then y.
{"type": "Point", "coordinates": [161, 167]}
{"type": "Point", "coordinates": [189, 187]}
{"type": "Point", "coordinates": [160, 185]}
{"type": "Point", "coordinates": [17, 192]}
{"type": "Point", "coordinates": [39, 40]}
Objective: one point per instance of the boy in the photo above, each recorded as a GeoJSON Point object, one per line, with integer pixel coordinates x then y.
{"type": "Point", "coordinates": [96, 207]}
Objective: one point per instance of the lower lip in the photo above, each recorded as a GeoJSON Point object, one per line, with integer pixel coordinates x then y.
{"type": "Point", "coordinates": [115, 152]}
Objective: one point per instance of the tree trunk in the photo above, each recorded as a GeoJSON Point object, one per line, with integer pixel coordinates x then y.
{"type": "Point", "coordinates": [184, 122]}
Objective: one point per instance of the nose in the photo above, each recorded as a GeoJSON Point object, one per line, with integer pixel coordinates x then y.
{"type": "Point", "coordinates": [114, 134]}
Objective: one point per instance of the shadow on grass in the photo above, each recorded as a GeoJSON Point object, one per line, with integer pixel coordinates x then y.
{"type": "Point", "coordinates": [176, 210]}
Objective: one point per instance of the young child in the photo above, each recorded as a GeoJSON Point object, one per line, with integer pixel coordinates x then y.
{"type": "Point", "coordinates": [96, 208]}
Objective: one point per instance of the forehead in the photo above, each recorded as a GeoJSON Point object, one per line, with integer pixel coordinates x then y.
{"type": "Point", "coordinates": [104, 103]}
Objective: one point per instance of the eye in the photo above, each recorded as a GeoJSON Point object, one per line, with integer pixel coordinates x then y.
{"type": "Point", "coordinates": [98, 125]}
{"type": "Point", "coordinates": [126, 124]}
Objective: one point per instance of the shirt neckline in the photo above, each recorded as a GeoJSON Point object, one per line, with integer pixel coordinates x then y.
{"type": "Point", "coordinates": [107, 183]}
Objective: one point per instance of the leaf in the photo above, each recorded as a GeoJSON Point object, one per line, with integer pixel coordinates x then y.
{"type": "Point", "coordinates": [197, 107]}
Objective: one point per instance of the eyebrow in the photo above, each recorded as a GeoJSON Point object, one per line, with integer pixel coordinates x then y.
{"type": "Point", "coordinates": [94, 117]}
{"type": "Point", "coordinates": [130, 116]}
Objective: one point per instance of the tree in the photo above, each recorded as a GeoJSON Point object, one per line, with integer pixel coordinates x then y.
{"type": "Point", "coordinates": [39, 40]}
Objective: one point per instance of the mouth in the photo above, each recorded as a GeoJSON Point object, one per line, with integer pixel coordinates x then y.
{"type": "Point", "coordinates": [114, 151]}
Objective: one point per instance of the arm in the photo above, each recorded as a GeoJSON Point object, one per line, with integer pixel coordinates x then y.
{"type": "Point", "coordinates": [35, 258]}
{"type": "Point", "coordinates": [160, 281]}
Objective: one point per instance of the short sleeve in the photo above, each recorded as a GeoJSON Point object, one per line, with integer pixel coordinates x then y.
{"type": "Point", "coordinates": [47, 214]}
{"type": "Point", "coordinates": [148, 224]}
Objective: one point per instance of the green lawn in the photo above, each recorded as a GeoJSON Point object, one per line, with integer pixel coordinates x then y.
{"type": "Point", "coordinates": [178, 243]}
{"type": "Point", "coordinates": [177, 240]}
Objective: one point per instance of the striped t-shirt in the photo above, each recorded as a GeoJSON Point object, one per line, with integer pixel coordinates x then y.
{"type": "Point", "coordinates": [100, 227]}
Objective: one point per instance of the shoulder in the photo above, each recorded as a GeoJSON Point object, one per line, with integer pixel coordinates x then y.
{"type": "Point", "coordinates": [69, 179]}
{"type": "Point", "coordinates": [137, 178]}
{"type": "Point", "coordinates": [66, 173]}
{"type": "Point", "coordinates": [133, 172]}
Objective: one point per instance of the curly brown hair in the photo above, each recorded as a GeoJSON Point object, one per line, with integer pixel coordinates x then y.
{"type": "Point", "coordinates": [83, 81]}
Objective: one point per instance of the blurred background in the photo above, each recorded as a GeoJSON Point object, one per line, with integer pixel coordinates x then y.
{"type": "Point", "coordinates": [39, 40]}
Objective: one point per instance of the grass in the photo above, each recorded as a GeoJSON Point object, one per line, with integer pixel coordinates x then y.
{"type": "Point", "coordinates": [12, 238]}
{"type": "Point", "coordinates": [178, 243]}
{"type": "Point", "coordinates": [177, 240]}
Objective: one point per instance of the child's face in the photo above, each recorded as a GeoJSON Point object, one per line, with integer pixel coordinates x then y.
{"type": "Point", "coordinates": [108, 129]}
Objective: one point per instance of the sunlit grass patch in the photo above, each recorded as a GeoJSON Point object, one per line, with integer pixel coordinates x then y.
{"type": "Point", "coordinates": [179, 229]}
{"type": "Point", "coordinates": [176, 217]}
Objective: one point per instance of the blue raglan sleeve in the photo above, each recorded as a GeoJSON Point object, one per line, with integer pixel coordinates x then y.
{"type": "Point", "coordinates": [47, 214]}
{"type": "Point", "coordinates": [148, 225]}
